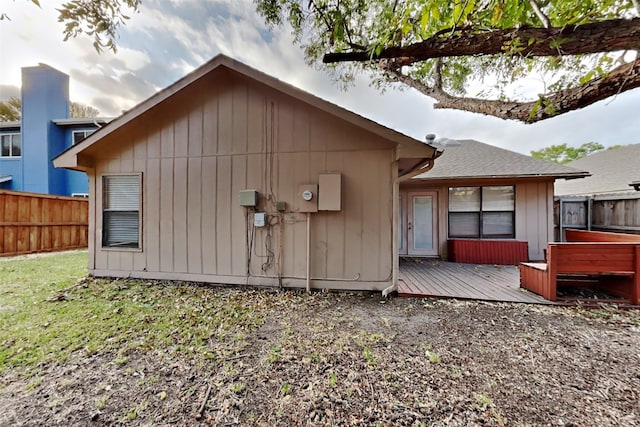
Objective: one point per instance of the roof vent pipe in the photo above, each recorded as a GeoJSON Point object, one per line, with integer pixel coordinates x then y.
{"type": "Point", "coordinates": [430, 138]}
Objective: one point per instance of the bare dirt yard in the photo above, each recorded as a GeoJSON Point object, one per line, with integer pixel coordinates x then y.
{"type": "Point", "coordinates": [161, 353]}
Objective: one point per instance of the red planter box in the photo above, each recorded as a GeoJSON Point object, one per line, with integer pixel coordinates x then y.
{"type": "Point", "coordinates": [500, 252]}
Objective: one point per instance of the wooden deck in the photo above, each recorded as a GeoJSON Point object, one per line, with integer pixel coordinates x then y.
{"type": "Point", "coordinates": [431, 278]}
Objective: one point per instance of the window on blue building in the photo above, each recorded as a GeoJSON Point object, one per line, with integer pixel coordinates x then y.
{"type": "Point", "coordinates": [11, 145]}
{"type": "Point", "coordinates": [79, 135]}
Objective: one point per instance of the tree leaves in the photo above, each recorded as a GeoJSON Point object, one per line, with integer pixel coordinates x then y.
{"type": "Point", "coordinates": [10, 110]}
{"type": "Point", "coordinates": [563, 153]}
{"type": "Point", "coordinates": [97, 18]}
{"type": "Point", "coordinates": [471, 38]}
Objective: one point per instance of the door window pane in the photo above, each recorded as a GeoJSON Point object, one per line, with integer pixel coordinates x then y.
{"type": "Point", "coordinates": [423, 222]}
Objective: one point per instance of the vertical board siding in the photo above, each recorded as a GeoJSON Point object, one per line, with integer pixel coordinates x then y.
{"type": "Point", "coordinates": [223, 215]}
{"type": "Point", "coordinates": [92, 222]}
{"type": "Point", "coordinates": [138, 259]}
{"type": "Point", "coordinates": [166, 215]}
{"type": "Point", "coordinates": [237, 240]}
{"type": "Point", "coordinates": [194, 215]}
{"type": "Point", "coordinates": [242, 135]}
{"type": "Point", "coordinates": [181, 136]}
{"type": "Point", "coordinates": [31, 223]}
{"type": "Point", "coordinates": [179, 216]}
{"type": "Point", "coordinates": [151, 205]}
{"type": "Point", "coordinates": [336, 258]}
{"type": "Point", "coordinates": [353, 207]}
{"type": "Point", "coordinates": [209, 216]}
{"type": "Point", "coordinates": [533, 220]}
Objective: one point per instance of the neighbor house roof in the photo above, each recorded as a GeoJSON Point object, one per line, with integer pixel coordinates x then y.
{"type": "Point", "coordinates": [78, 121]}
{"type": "Point", "coordinates": [611, 172]}
{"type": "Point", "coordinates": [473, 159]}
{"type": "Point", "coordinates": [9, 125]}
{"type": "Point", "coordinates": [407, 147]}
{"type": "Point", "coordinates": [75, 121]}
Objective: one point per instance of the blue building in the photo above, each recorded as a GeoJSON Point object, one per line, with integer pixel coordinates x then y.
{"type": "Point", "coordinates": [28, 146]}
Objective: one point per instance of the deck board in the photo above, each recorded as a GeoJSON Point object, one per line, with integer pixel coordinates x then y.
{"type": "Point", "coordinates": [432, 278]}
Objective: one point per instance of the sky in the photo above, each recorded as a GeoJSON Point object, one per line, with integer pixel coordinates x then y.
{"type": "Point", "coordinates": [170, 38]}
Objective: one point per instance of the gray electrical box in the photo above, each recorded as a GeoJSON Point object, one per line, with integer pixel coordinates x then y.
{"type": "Point", "coordinates": [248, 197]}
{"type": "Point", "coordinates": [330, 192]}
{"type": "Point", "coordinates": [259, 219]}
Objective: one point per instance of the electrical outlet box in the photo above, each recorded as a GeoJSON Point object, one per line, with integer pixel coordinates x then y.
{"type": "Point", "coordinates": [248, 197]}
{"type": "Point", "coordinates": [259, 219]}
{"type": "Point", "coordinates": [281, 206]}
{"type": "Point", "coordinates": [307, 199]}
{"type": "Point", "coordinates": [329, 192]}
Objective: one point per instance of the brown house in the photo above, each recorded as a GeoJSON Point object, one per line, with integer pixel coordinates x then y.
{"type": "Point", "coordinates": [232, 176]}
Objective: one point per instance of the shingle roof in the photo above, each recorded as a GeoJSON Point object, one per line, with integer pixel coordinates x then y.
{"type": "Point", "coordinates": [611, 172]}
{"type": "Point", "coordinates": [473, 159]}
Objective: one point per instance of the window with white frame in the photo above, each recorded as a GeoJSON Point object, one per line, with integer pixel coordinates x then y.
{"type": "Point", "coordinates": [121, 211]}
{"type": "Point", "coordinates": [10, 145]}
{"type": "Point", "coordinates": [482, 212]}
{"type": "Point", "coordinates": [79, 135]}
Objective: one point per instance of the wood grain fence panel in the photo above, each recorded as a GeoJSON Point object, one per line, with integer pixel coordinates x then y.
{"type": "Point", "coordinates": [23, 239]}
{"type": "Point", "coordinates": [31, 222]}
{"type": "Point", "coordinates": [10, 240]}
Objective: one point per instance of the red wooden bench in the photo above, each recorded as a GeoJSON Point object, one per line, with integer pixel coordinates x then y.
{"type": "Point", "coordinates": [614, 267]}
{"type": "Point", "coordinates": [572, 235]}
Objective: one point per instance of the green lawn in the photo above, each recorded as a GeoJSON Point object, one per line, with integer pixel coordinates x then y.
{"type": "Point", "coordinates": [74, 350]}
{"type": "Point", "coordinates": [49, 309]}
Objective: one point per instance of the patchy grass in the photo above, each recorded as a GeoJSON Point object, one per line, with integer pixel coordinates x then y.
{"type": "Point", "coordinates": [46, 317]}
{"type": "Point", "coordinates": [25, 315]}
{"type": "Point", "coordinates": [75, 351]}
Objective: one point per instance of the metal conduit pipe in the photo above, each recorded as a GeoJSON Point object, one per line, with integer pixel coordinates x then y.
{"type": "Point", "coordinates": [308, 277]}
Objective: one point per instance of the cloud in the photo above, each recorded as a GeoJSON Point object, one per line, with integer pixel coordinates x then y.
{"type": "Point", "coordinates": [9, 91]}
{"type": "Point", "coordinates": [170, 38]}
{"type": "Point", "coordinates": [123, 91]}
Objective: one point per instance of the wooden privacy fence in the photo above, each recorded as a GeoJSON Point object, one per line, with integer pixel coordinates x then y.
{"type": "Point", "coordinates": [617, 213]}
{"type": "Point", "coordinates": [32, 223]}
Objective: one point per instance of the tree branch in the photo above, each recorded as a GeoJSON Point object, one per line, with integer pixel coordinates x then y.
{"type": "Point", "coordinates": [540, 14]}
{"type": "Point", "coordinates": [622, 78]}
{"type": "Point", "coordinates": [595, 37]}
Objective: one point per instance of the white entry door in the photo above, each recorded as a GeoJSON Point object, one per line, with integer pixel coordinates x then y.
{"type": "Point", "coordinates": [422, 220]}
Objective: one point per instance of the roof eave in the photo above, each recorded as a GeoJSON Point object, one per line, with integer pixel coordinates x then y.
{"type": "Point", "coordinates": [82, 121]}
{"type": "Point", "coordinates": [514, 176]}
{"type": "Point", "coordinates": [10, 125]}
{"type": "Point", "coordinates": [77, 162]}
